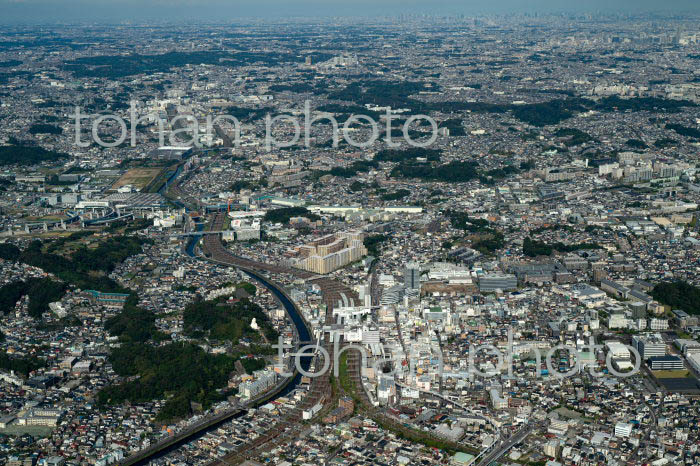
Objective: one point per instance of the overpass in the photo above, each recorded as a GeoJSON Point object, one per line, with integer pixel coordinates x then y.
{"type": "Point", "coordinates": [191, 233]}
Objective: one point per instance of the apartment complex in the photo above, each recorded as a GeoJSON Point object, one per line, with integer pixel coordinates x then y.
{"type": "Point", "coordinates": [331, 252]}
{"type": "Point", "coordinates": [497, 400]}
{"type": "Point", "coordinates": [623, 430]}
{"type": "Point", "coordinates": [264, 380]}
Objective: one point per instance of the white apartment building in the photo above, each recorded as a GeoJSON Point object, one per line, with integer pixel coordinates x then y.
{"type": "Point", "coordinates": [658, 324]}
{"type": "Point", "coordinates": [623, 430]}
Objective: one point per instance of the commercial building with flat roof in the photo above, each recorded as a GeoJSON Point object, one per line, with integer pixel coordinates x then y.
{"type": "Point", "coordinates": [493, 282]}
{"type": "Point", "coordinates": [665, 363]}
{"type": "Point", "coordinates": [649, 345]}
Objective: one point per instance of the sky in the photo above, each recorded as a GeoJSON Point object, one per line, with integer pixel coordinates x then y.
{"type": "Point", "coordinates": [114, 11]}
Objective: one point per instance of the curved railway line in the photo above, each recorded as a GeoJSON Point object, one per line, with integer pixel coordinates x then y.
{"type": "Point", "coordinates": [286, 429]}
{"type": "Point", "coordinates": [388, 422]}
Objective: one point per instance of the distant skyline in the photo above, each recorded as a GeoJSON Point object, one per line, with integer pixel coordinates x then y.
{"type": "Point", "coordinates": [43, 11]}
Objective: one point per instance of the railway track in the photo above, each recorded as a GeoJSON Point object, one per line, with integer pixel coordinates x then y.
{"type": "Point", "coordinates": [388, 422]}
{"type": "Point", "coordinates": [286, 429]}
{"type": "Point", "coordinates": [331, 290]}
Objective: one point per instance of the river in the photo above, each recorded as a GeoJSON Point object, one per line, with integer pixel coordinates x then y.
{"type": "Point", "coordinates": [302, 334]}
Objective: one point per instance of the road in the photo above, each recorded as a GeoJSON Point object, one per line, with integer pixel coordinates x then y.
{"type": "Point", "coordinates": [651, 428]}
{"type": "Point", "coordinates": [374, 287]}
{"type": "Point", "coordinates": [442, 379]}
{"type": "Point", "coordinates": [398, 329]}
{"type": "Point", "coordinates": [445, 399]}
{"type": "Point", "coordinates": [507, 444]}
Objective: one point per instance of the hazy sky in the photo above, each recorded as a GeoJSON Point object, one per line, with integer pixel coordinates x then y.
{"type": "Point", "coordinates": [223, 10]}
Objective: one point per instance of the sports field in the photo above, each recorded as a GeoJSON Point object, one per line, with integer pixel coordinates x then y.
{"type": "Point", "coordinates": [678, 374]}
{"type": "Point", "coordinates": [137, 177]}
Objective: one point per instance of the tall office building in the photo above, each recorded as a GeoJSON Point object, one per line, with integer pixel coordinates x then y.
{"type": "Point", "coordinates": [411, 276]}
